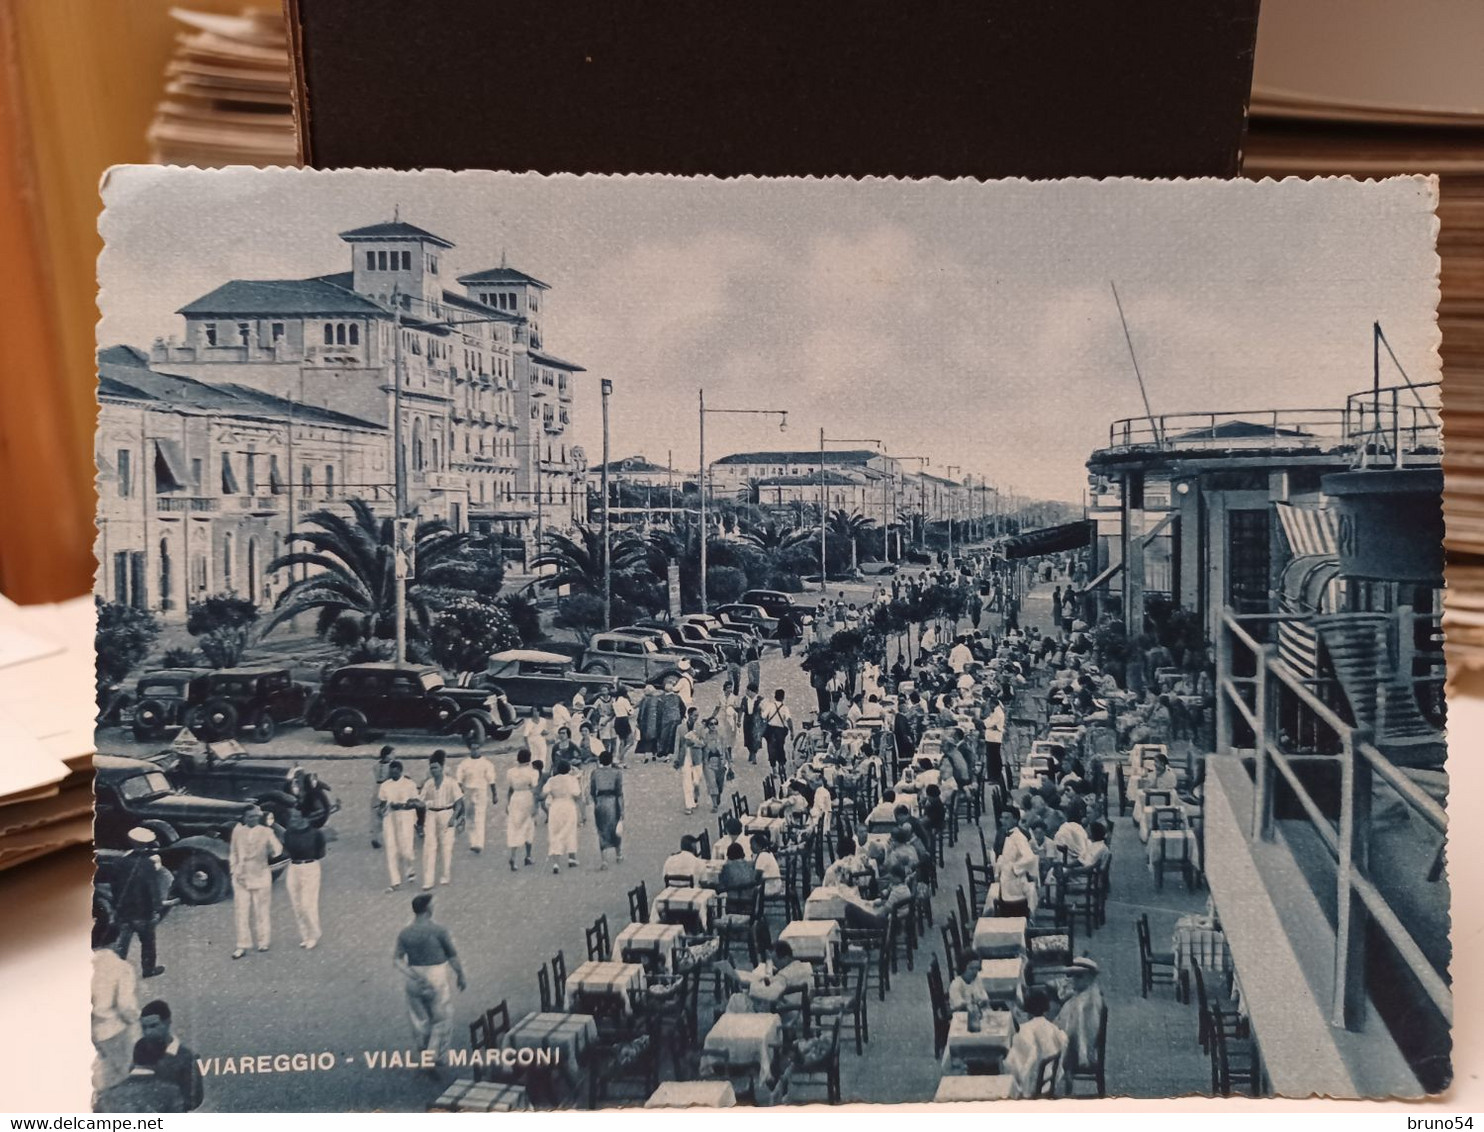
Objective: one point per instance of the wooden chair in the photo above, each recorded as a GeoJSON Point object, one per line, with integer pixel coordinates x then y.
{"type": "Point", "coordinates": [1154, 966]}
{"type": "Point", "coordinates": [842, 994]}
{"type": "Point", "coordinates": [1047, 1072]}
{"type": "Point", "coordinates": [630, 1055]}
{"type": "Point", "coordinates": [1234, 1063]}
{"type": "Point", "coordinates": [598, 946]}
{"type": "Point", "coordinates": [1096, 1072]}
{"type": "Point", "coordinates": [901, 935]}
{"type": "Point", "coordinates": [703, 845]}
{"type": "Point", "coordinates": [679, 880]}
{"type": "Point", "coordinates": [942, 1012]}
{"type": "Point", "coordinates": [1214, 1011]}
{"type": "Point", "coordinates": [1125, 803]}
{"type": "Point", "coordinates": [815, 1061]}
{"type": "Point", "coordinates": [479, 1034]}
{"type": "Point", "coordinates": [543, 986]}
{"type": "Point", "coordinates": [559, 979]}
{"type": "Point", "coordinates": [1083, 888]}
{"type": "Point", "coordinates": [792, 1009]}
{"type": "Point", "coordinates": [739, 921]}
{"type": "Point", "coordinates": [965, 916]}
{"type": "Point", "coordinates": [981, 877]}
{"type": "Point", "coordinates": [497, 1021]}
{"type": "Point", "coordinates": [639, 904]}
{"type": "Point", "coordinates": [1171, 859]}
{"type": "Point", "coordinates": [865, 950]}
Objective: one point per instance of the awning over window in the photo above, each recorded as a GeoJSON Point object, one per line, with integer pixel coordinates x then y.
{"type": "Point", "coordinates": [1050, 540]}
{"type": "Point", "coordinates": [170, 466]}
{"type": "Point", "coordinates": [1310, 530]}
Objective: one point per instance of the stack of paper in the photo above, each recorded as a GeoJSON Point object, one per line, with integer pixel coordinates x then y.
{"type": "Point", "coordinates": [227, 94]}
{"type": "Point", "coordinates": [46, 728]}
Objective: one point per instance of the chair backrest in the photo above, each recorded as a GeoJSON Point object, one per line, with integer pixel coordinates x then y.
{"type": "Point", "coordinates": [543, 985]}
{"type": "Point", "coordinates": [680, 880]}
{"type": "Point", "coordinates": [479, 1034]}
{"type": "Point", "coordinates": [1200, 991]}
{"type": "Point", "coordinates": [703, 846]}
{"type": "Point", "coordinates": [1046, 1074]}
{"type": "Point", "coordinates": [770, 788]}
{"type": "Point", "coordinates": [1141, 925]}
{"type": "Point", "coordinates": [961, 938]}
{"type": "Point", "coordinates": [792, 1009]}
{"type": "Point", "coordinates": [594, 939]}
{"type": "Point", "coordinates": [639, 904]}
{"type": "Point", "coordinates": [601, 923]}
{"type": "Point", "coordinates": [1166, 817]}
{"type": "Point", "coordinates": [559, 978]}
{"type": "Point", "coordinates": [975, 897]}
{"type": "Point", "coordinates": [497, 1021]}
{"type": "Point", "coordinates": [963, 907]}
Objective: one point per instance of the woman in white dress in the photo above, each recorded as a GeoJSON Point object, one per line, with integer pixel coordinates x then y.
{"type": "Point", "coordinates": [564, 814]}
{"type": "Point", "coordinates": [533, 735]}
{"type": "Point", "coordinates": [520, 806]}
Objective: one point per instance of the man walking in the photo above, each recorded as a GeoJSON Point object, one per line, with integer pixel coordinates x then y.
{"type": "Point", "coordinates": [476, 777]}
{"type": "Point", "coordinates": [443, 803]}
{"type": "Point", "coordinates": [716, 761]}
{"type": "Point", "coordinates": [115, 1005]}
{"type": "Point", "coordinates": [305, 846]}
{"type": "Point", "coordinates": [778, 725]}
{"type": "Point", "coordinates": [398, 801]}
{"type": "Point", "coordinates": [177, 1065]}
{"type": "Point", "coordinates": [647, 716]}
{"type": "Point", "coordinates": [689, 743]}
{"type": "Point", "coordinates": [140, 899]}
{"type": "Point", "coordinates": [254, 845]}
{"type": "Point", "coordinates": [382, 770]}
{"type": "Point", "coordinates": [426, 959]}
{"type": "Point", "coordinates": [750, 711]}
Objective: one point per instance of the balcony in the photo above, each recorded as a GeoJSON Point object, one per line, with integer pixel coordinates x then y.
{"type": "Point", "coordinates": [191, 504]}
{"type": "Point", "coordinates": [537, 389]}
{"type": "Point", "coordinates": [259, 504]}
{"type": "Point", "coordinates": [564, 390]}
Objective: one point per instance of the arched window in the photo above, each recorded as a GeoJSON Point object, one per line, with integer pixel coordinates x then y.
{"type": "Point", "coordinates": [418, 459]}
{"type": "Point", "coordinates": [227, 581]}
{"type": "Point", "coordinates": [355, 334]}
{"type": "Point", "coordinates": [340, 334]}
{"type": "Point", "coordinates": [329, 334]}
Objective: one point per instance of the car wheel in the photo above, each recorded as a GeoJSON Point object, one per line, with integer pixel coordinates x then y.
{"type": "Point", "coordinates": [149, 718]}
{"type": "Point", "coordinates": [348, 728]}
{"type": "Point", "coordinates": [219, 720]}
{"type": "Point", "coordinates": [473, 730]}
{"type": "Point", "coordinates": [194, 719]}
{"type": "Point", "coordinates": [445, 711]}
{"type": "Point", "coordinates": [200, 878]}
{"type": "Point", "coordinates": [598, 668]}
{"type": "Point", "coordinates": [265, 727]}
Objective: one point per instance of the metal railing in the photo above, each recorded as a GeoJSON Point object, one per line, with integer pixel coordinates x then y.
{"type": "Point", "coordinates": [1387, 425]}
{"type": "Point", "coordinates": [1269, 429]}
{"type": "Point", "coordinates": [1359, 759]}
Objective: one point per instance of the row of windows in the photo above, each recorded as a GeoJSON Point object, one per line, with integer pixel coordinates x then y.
{"type": "Point", "coordinates": [342, 334]}
{"type": "Point", "coordinates": [506, 300]}
{"type": "Point", "coordinates": [231, 483]}
{"type": "Point", "coordinates": [396, 260]}
{"type": "Point", "coordinates": [244, 332]}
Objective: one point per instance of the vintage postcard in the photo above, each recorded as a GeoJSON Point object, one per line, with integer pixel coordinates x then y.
{"type": "Point", "coordinates": [584, 642]}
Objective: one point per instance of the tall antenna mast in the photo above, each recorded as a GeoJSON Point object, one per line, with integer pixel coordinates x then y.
{"type": "Point", "coordinates": [1133, 357]}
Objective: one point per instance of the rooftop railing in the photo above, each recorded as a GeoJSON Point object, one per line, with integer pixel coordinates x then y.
{"type": "Point", "coordinates": [1253, 698]}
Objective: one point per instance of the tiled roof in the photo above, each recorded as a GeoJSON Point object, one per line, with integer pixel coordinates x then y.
{"type": "Point", "coordinates": [267, 297]}
{"type": "Point", "coordinates": [633, 464]}
{"type": "Point", "coordinates": [503, 275]}
{"type": "Point", "coordinates": [555, 362]}
{"type": "Point", "coordinates": [831, 479]}
{"type": "Point", "coordinates": [804, 456]}
{"type": "Point", "coordinates": [394, 230]}
{"type": "Point", "coordinates": [124, 374]}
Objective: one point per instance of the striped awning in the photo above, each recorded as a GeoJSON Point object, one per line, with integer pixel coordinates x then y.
{"type": "Point", "coordinates": [1310, 530]}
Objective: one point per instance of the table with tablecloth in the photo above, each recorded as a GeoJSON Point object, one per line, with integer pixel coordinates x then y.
{"type": "Point", "coordinates": [693, 1094]}
{"type": "Point", "coordinates": [814, 941]}
{"type": "Point", "coordinates": [1197, 940]}
{"type": "Point", "coordinates": [1000, 937]}
{"type": "Point", "coordinates": [774, 828]}
{"type": "Point", "coordinates": [747, 1039]}
{"type": "Point", "coordinates": [1173, 845]}
{"type": "Point", "coordinates": [991, 1042]}
{"type": "Point", "coordinates": [568, 1035]}
{"type": "Point", "coordinates": [469, 1095]}
{"type": "Point", "coordinates": [607, 977]}
{"type": "Point", "coordinates": [999, 1087]}
{"type": "Point", "coordinates": [659, 940]}
{"type": "Point", "coordinates": [708, 875]}
{"type": "Point", "coordinates": [1003, 979]}
{"type": "Point", "coordinates": [683, 903]}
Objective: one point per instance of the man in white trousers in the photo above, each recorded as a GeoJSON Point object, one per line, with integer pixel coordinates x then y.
{"type": "Point", "coordinates": [305, 846]}
{"type": "Point", "coordinates": [689, 742]}
{"type": "Point", "coordinates": [398, 797]}
{"type": "Point", "coordinates": [443, 803]}
{"type": "Point", "coordinates": [476, 777]}
{"type": "Point", "coordinates": [253, 846]}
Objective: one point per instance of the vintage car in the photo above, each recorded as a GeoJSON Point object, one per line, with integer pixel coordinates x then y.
{"type": "Point", "coordinates": [360, 700]}
{"type": "Point", "coordinates": [532, 680]}
{"type": "Point", "coordinates": [692, 637]}
{"type": "Point", "coordinates": [777, 604]}
{"type": "Point", "coordinates": [194, 833]}
{"type": "Point", "coordinates": [257, 700]}
{"type": "Point", "coordinates": [224, 770]}
{"type": "Point", "coordinates": [748, 643]}
{"type": "Point", "coordinates": [161, 699]}
{"type": "Point", "coordinates": [753, 617]}
{"type": "Point", "coordinates": [703, 664]}
{"type": "Point", "coordinates": [634, 660]}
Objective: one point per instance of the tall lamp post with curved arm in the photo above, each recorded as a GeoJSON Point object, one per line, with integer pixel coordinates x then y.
{"type": "Point", "coordinates": [824, 499]}
{"type": "Point", "coordinates": [781, 414]}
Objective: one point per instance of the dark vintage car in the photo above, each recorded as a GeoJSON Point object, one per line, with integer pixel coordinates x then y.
{"type": "Point", "coordinates": [776, 603]}
{"type": "Point", "coordinates": [704, 664]}
{"type": "Point", "coordinates": [692, 637]}
{"type": "Point", "coordinates": [161, 699]}
{"type": "Point", "coordinates": [194, 833]}
{"type": "Point", "coordinates": [748, 645]}
{"type": "Point", "coordinates": [753, 617]}
{"type": "Point", "coordinates": [224, 770]}
{"type": "Point", "coordinates": [252, 700]}
{"type": "Point", "coordinates": [531, 679]}
{"type": "Point", "coordinates": [360, 700]}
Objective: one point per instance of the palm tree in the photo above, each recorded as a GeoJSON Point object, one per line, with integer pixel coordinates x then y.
{"type": "Point", "coordinates": [774, 537]}
{"type": "Point", "coordinates": [850, 526]}
{"type": "Point", "coordinates": [577, 561]}
{"type": "Point", "coordinates": [352, 571]}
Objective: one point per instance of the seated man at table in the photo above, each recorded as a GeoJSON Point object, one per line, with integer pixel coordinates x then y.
{"type": "Point", "coordinates": [847, 865]}
{"type": "Point", "coordinates": [922, 837]}
{"type": "Point", "coordinates": [780, 970]}
{"type": "Point", "coordinates": [1071, 836]}
{"type": "Point", "coordinates": [904, 851]}
{"type": "Point", "coordinates": [934, 812]}
{"type": "Point", "coordinates": [1018, 867]}
{"type": "Point", "coordinates": [766, 864]}
{"type": "Point", "coordinates": [1164, 776]}
{"type": "Point", "coordinates": [898, 885]}
{"type": "Point", "coordinates": [1036, 1040]}
{"type": "Point", "coordinates": [684, 863]}
{"type": "Point", "coordinates": [738, 872]}
{"type": "Point", "coordinates": [1097, 849]}
{"type": "Point", "coordinates": [1081, 1017]}
{"type": "Point", "coordinates": [733, 836]}
{"type": "Point", "coordinates": [966, 990]}
{"type": "Point", "coordinates": [884, 812]}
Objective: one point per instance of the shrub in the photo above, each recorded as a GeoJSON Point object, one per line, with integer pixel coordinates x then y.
{"type": "Point", "coordinates": [220, 611]}
{"type": "Point", "coordinates": [525, 615]}
{"type": "Point", "coordinates": [180, 658]}
{"type": "Point", "coordinates": [467, 630]}
{"type": "Point", "coordinates": [725, 583]}
{"type": "Point", "coordinates": [122, 640]}
{"type": "Point", "coordinates": [582, 613]}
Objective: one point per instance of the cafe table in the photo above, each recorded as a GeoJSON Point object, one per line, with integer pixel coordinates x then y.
{"type": "Point", "coordinates": [693, 1094]}
{"type": "Point", "coordinates": [1172, 845]}
{"type": "Point", "coordinates": [469, 1095]}
{"type": "Point", "coordinates": [1003, 979]}
{"type": "Point", "coordinates": [607, 977]}
{"type": "Point", "coordinates": [813, 940]}
{"type": "Point", "coordinates": [567, 1035]}
{"type": "Point", "coordinates": [659, 940]}
{"type": "Point", "coordinates": [825, 903]}
{"type": "Point", "coordinates": [991, 1042]}
{"type": "Point", "coordinates": [682, 903]}
{"type": "Point", "coordinates": [999, 1087]}
{"type": "Point", "coordinates": [773, 827]}
{"type": "Point", "coordinates": [747, 1039]}
{"type": "Point", "coordinates": [1000, 937]}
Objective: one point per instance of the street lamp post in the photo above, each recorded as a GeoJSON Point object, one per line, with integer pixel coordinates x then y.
{"type": "Point", "coordinates": [824, 499]}
{"type": "Point", "coordinates": [703, 477]}
{"type": "Point", "coordinates": [923, 462]}
{"type": "Point", "coordinates": [607, 388]}
{"type": "Point", "coordinates": [952, 505]}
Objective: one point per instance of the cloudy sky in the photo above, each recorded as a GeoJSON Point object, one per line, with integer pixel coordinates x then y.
{"type": "Point", "coordinates": [971, 323]}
